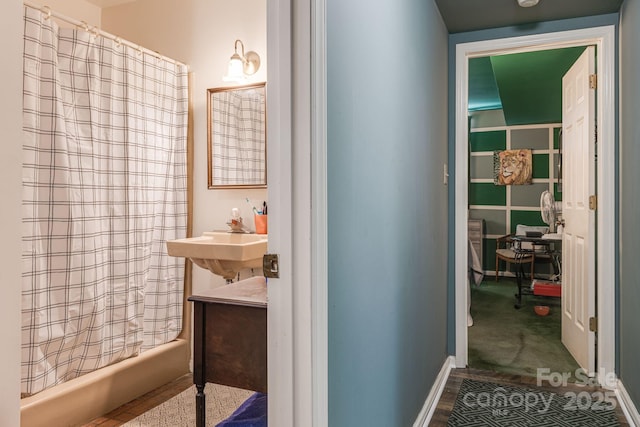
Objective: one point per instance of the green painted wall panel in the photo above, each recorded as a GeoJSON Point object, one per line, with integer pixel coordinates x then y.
{"type": "Point", "coordinates": [489, 254]}
{"type": "Point", "coordinates": [488, 141]}
{"type": "Point", "coordinates": [487, 194]}
{"type": "Point", "coordinates": [525, 218]}
{"type": "Point", "coordinates": [557, 194]}
{"type": "Point", "coordinates": [540, 166]}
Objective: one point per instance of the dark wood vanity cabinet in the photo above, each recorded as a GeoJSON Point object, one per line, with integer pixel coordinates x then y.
{"type": "Point", "coordinates": [230, 339]}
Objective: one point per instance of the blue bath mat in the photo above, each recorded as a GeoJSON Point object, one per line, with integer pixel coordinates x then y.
{"type": "Point", "coordinates": [252, 413]}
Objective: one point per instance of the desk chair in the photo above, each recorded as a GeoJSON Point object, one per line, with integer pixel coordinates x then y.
{"type": "Point", "coordinates": [505, 252]}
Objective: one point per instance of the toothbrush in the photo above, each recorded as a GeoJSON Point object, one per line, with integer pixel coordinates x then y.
{"type": "Point", "coordinates": [255, 211]}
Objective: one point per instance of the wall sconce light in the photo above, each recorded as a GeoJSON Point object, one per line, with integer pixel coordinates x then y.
{"type": "Point", "coordinates": [241, 65]}
{"type": "Point", "coordinates": [528, 3]}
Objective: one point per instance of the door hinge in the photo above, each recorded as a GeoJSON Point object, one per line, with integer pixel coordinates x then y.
{"type": "Point", "coordinates": [593, 324]}
{"type": "Point", "coordinates": [270, 267]}
{"type": "Point", "coordinates": [593, 81]}
{"type": "Point", "coordinates": [593, 202]}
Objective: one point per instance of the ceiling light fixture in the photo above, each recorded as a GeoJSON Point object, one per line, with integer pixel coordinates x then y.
{"type": "Point", "coordinates": [528, 3]}
{"type": "Point", "coordinates": [241, 65]}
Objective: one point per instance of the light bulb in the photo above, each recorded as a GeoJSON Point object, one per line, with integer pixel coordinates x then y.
{"type": "Point", "coordinates": [528, 3]}
{"type": "Point", "coordinates": [235, 71]}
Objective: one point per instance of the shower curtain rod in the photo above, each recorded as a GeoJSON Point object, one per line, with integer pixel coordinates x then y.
{"type": "Point", "coordinates": [97, 31]}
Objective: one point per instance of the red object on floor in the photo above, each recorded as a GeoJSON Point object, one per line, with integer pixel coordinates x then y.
{"type": "Point", "coordinates": [541, 310]}
{"type": "Point", "coordinates": [547, 289]}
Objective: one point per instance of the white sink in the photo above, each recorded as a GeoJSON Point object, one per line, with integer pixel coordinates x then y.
{"type": "Point", "coordinates": [222, 253]}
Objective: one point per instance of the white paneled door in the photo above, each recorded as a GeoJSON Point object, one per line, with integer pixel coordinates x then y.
{"type": "Point", "coordinates": [578, 244]}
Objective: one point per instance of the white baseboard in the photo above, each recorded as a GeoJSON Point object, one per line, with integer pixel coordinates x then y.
{"type": "Point", "coordinates": [429, 407]}
{"type": "Point", "coordinates": [627, 405]}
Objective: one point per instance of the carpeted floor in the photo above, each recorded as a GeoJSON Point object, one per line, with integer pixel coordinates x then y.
{"type": "Point", "coordinates": [180, 410]}
{"type": "Point", "coordinates": [481, 403]}
{"type": "Point", "coordinates": [504, 339]}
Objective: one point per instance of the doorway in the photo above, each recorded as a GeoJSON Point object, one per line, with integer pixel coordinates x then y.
{"type": "Point", "coordinates": [516, 114]}
{"type": "Point", "coordinates": [604, 39]}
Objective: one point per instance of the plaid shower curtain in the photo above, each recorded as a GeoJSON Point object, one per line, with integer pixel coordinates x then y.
{"type": "Point", "coordinates": [104, 186]}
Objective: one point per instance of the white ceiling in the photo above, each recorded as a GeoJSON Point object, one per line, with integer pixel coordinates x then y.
{"type": "Point", "coordinates": [109, 3]}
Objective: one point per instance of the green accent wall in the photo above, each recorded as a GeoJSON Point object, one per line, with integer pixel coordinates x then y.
{"type": "Point", "coordinates": [531, 217]}
{"type": "Point", "coordinates": [487, 194]}
{"type": "Point", "coordinates": [503, 207]}
{"type": "Point", "coordinates": [488, 141]}
{"type": "Point", "coordinates": [540, 166]}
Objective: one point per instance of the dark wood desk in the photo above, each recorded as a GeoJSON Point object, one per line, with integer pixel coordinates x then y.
{"type": "Point", "coordinates": [230, 338]}
{"type": "Point", "coordinates": [546, 243]}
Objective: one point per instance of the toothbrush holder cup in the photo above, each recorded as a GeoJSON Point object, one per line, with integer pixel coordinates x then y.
{"type": "Point", "coordinates": [261, 223]}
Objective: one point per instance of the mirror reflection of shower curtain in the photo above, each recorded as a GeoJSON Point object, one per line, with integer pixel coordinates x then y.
{"type": "Point", "coordinates": [104, 186]}
{"type": "Point", "coordinates": [239, 156]}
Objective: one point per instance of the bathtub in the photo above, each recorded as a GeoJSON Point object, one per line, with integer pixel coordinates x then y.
{"type": "Point", "coordinates": [82, 399]}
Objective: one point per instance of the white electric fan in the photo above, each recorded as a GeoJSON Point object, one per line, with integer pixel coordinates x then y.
{"type": "Point", "coordinates": [549, 210]}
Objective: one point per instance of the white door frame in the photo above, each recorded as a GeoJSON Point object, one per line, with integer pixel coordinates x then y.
{"type": "Point", "coordinates": [280, 340]}
{"type": "Point", "coordinates": [604, 38]}
{"type": "Point", "coordinates": [296, 164]}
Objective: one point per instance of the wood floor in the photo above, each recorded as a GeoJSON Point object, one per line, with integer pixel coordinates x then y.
{"type": "Point", "coordinates": [142, 404]}
{"type": "Point", "coordinates": [450, 392]}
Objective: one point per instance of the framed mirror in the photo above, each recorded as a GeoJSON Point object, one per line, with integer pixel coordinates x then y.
{"type": "Point", "coordinates": [237, 137]}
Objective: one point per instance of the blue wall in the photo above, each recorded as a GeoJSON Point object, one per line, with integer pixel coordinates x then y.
{"type": "Point", "coordinates": [629, 198]}
{"type": "Point", "coordinates": [387, 205]}
{"type": "Point", "coordinates": [498, 33]}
